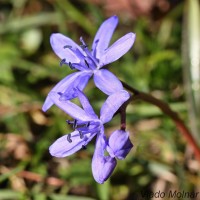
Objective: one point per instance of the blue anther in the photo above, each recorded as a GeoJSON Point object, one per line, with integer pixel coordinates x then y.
{"type": "Point", "coordinates": [71, 65]}
{"type": "Point", "coordinates": [84, 147]}
{"type": "Point", "coordinates": [81, 134]}
{"type": "Point", "coordinates": [69, 138]}
{"type": "Point", "coordinates": [86, 63]}
{"type": "Point", "coordinates": [74, 124]}
{"type": "Point", "coordinates": [87, 125]}
{"type": "Point", "coordinates": [67, 47]}
{"type": "Point", "coordinates": [62, 62]}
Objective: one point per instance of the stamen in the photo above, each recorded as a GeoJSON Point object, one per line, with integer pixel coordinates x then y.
{"type": "Point", "coordinates": [96, 41]}
{"type": "Point", "coordinates": [95, 47]}
{"type": "Point", "coordinates": [67, 47]}
{"type": "Point", "coordinates": [87, 125]}
{"type": "Point", "coordinates": [74, 124]}
{"type": "Point", "coordinates": [69, 138]}
{"type": "Point", "coordinates": [71, 66]}
{"type": "Point", "coordinates": [86, 63]}
{"type": "Point", "coordinates": [81, 134]}
{"type": "Point", "coordinates": [62, 62]}
{"type": "Point", "coordinates": [89, 55]}
{"type": "Point", "coordinates": [60, 93]}
{"type": "Point", "coordinates": [84, 147]}
{"type": "Point", "coordinates": [84, 45]}
{"type": "Point", "coordinates": [75, 51]}
{"type": "Point", "coordinates": [69, 121]}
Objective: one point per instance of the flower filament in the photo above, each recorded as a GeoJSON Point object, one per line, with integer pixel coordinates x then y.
{"type": "Point", "coordinates": [83, 128]}
{"type": "Point", "coordinates": [87, 60]}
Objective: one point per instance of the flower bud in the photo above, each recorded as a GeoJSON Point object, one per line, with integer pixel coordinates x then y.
{"type": "Point", "coordinates": [119, 144]}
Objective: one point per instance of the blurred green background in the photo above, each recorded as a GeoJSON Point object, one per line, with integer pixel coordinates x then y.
{"type": "Point", "coordinates": [161, 158]}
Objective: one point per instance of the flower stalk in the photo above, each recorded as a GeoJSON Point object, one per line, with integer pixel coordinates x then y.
{"type": "Point", "coordinates": [183, 129]}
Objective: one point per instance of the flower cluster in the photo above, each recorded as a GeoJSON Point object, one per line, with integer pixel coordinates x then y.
{"type": "Point", "coordinates": [86, 123]}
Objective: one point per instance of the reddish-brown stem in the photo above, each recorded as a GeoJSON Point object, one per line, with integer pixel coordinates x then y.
{"type": "Point", "coordinates": [168, 111]}
{"type": "Point", "coordinates": [122, 112]}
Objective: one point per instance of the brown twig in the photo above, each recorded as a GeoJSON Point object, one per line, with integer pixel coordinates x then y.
{"type": "Point", "coordinates": [168, 111]}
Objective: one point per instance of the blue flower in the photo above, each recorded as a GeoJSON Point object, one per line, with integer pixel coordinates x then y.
{"type": "Point", "coordinates": [87, 124]}
{"type": "Point", "coordinates": [88, 62]}
{"type": "Point", "coordinates": [102, 166]}
{"type": "Point", "coordinates": [119, 144]}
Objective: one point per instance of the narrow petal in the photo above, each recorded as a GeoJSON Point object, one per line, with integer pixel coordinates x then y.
{"type": "Point", "coordinates": [60, 87]}
{"type": "Point", "coordinates": [66, 86]}
{"type": "Point", "coordinates": [65, 145]}
{"type": "Point", "coordinates": [47, 104]}
{"type": "Point", "coordinates": [118, 49]}
{"type": "Point", "coordinates": [112, 104]}
{"type": "Point", "coordinates": [103, 36]}
{"type": "Point", "coordinates": [119, 144]}
{"type": "Point", "coordinates": [86, 104]}
{"type": "Point", "coordinates": [58, 42]}
{"type": "Point", "coordinates": [70, 108]}
{"type": "Point", "coordinates": [79, 83]}
{"type": "Point", "coordinates": [107, 82]}
{"type": "Point", "coordinates": [102, 166]}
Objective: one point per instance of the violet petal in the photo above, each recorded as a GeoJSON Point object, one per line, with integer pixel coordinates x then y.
{"type": "Point", "coordinates": [102, 166]}
{"type": "Point", "coordinates": [103, 36]}
{"type": "Point", "coordinates": [112, 104]}
{"type": "Point", "coordinates": [79, 83]}
{"type": "Point", "coordinates": [70, 108]}
{"type": "Point", "coordinates": [66, 84]}
{"type": "Point", "coordinates": [59, 41]}
{"type": "Point", "coordinates": [86, 104]}
{"type": "Point", "coordinates": [107, 82]}
{"type": "Point", "coordinates": [118, 49]}
{"type": "Point", "coordinates": [62, 147]}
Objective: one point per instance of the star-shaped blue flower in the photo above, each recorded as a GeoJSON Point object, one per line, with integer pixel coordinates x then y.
{"type": "Point", "coordinates": [87, 124]}
{"type": "Point", "coordinates": [88, 62]}
{"type": "Point", "coordinates": [118, 146]}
